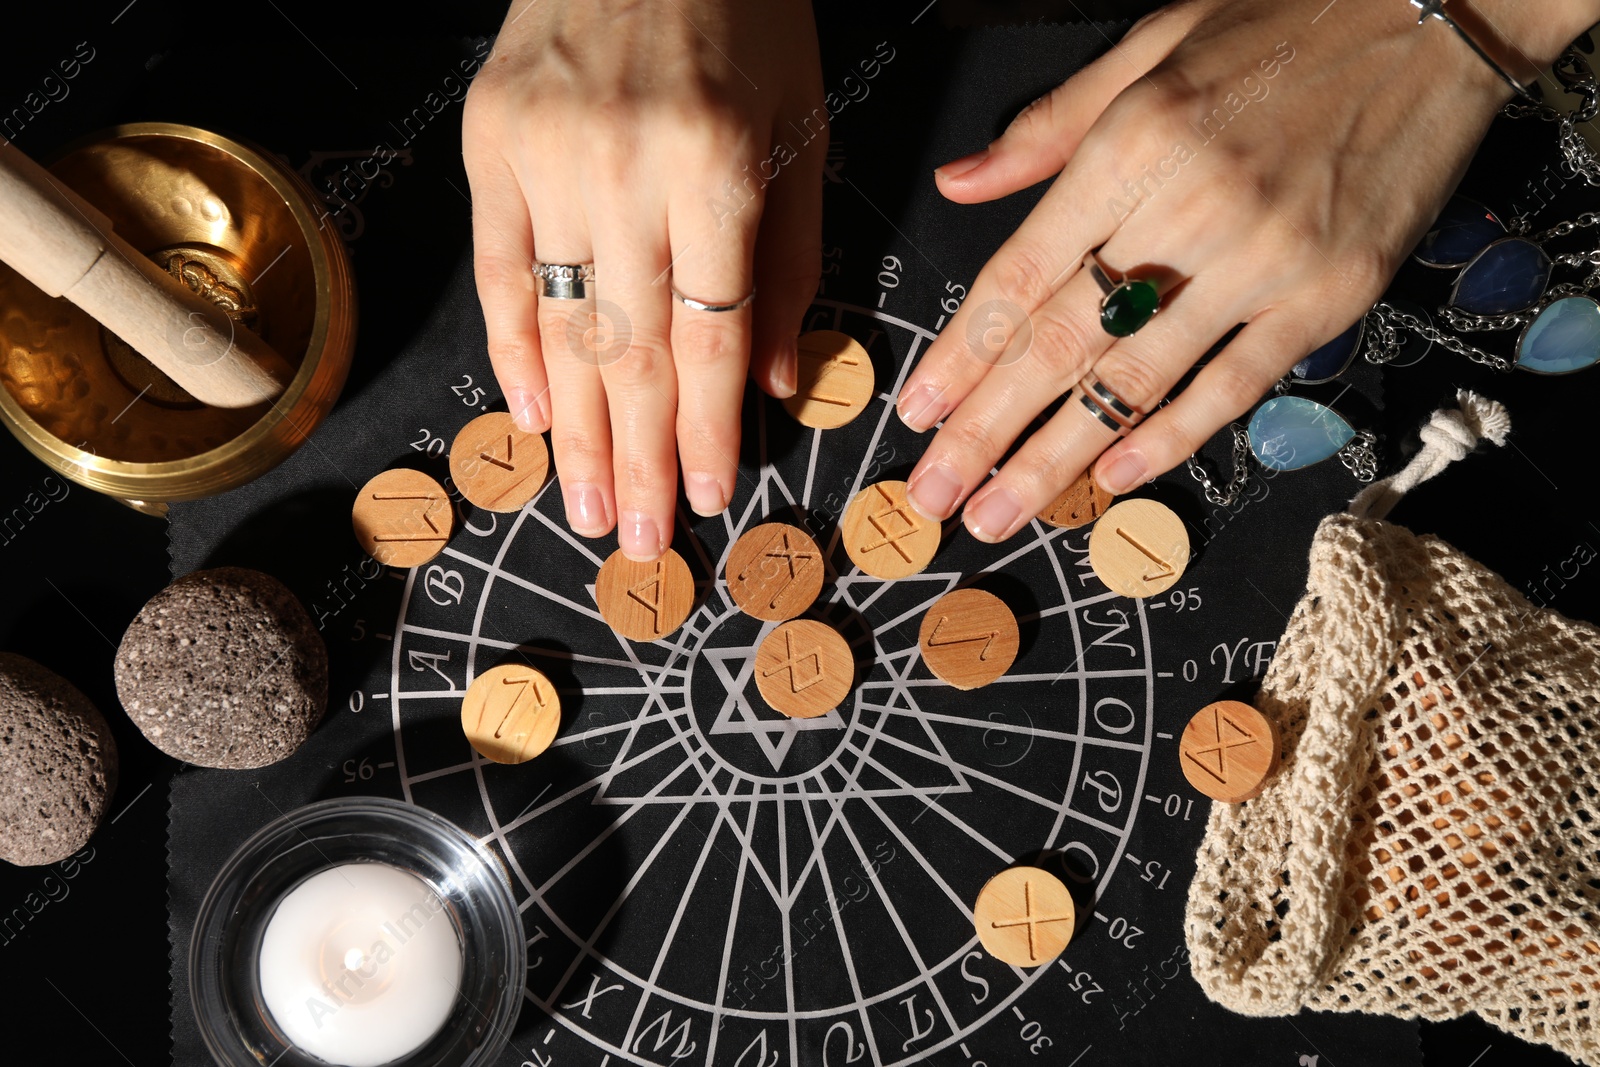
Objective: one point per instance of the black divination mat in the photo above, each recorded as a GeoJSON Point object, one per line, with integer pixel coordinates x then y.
{"type": "Point", "coordinates": [703, 882]}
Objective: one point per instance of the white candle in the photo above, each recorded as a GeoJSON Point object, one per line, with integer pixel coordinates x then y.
{"type": "Point", "coordinates": [360, 964]}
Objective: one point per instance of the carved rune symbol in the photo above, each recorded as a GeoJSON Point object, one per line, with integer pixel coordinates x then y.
{"type": "Point", "coordinates": [651, 603]}
{"type": "Point", "coordinates": [1078, 508]}
{"type": "Point", "coordinates": [1030, 920]}
{"type": "Point", "coordinates": [1165, 567]}
{"type": "Point", "coordinates": [987, 637]}
{"type": "Point", "coordinates": [830, 366]}
{"type": "Point", "coordinates": [792, 665]}
{"type": "Point", "coordinates": [506, 463]}
{"type": "Point", "coordinates": [432, 502]}
{"type": "Point", "coordinates": [878, 520]}
{"type": "Point", "coordinates": [528, 684]}
{"type": "Point", "coordinates": [1222, 747]}
{"type": "Point", "coordinates": [777, 560]}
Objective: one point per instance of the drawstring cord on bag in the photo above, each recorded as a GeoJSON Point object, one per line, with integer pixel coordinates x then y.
{"type": "Point", "coordinates": [1449, 435]}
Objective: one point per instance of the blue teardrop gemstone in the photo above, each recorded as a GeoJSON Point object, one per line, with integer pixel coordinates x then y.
{"type": "Point", "coordinates": [1462, 230]}
{"type": "Point", "coordinates": [1507, 276]}
{"type": "Point", "coordinates": [1562, 338]}
{"type": "Point", "coordinates": [1330, 361]}
{"type": "Point", "coordinates": [1290, 432]}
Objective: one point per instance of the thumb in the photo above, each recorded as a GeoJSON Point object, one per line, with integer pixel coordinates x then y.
{"type": "Point", "coordinates": [1043, 137]}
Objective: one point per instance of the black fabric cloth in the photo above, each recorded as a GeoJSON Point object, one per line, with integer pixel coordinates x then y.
{"type": "Point", "coordinates": [935, 96]}
{"type": "Point", "coordinates": [321, 89]}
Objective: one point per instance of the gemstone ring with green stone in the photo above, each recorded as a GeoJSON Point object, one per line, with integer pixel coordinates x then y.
{"type": "Point", "coordinates": [1127, 303]}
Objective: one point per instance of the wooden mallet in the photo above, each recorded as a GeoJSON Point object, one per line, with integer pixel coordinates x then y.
{"type": "Point", "coordinates": [63, 245]}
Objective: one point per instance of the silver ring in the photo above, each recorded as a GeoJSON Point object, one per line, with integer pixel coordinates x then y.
{"type": "Point", "coordinates": [1102, 415]}
{"type": "Point", "coordinates": [1109, 409]}
{"type": "Point", "coordinates": [701, 305]}
{"type": "Point", "coordinates": [1123, 411]}
{"type": "Point", "coordinates": [1098, 273]}
{"type": "Point", "coordinates": [564, 281]}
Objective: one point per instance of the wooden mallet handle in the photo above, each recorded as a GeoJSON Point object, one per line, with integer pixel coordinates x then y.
{"type": "Point", "coordinates": [54, 240]}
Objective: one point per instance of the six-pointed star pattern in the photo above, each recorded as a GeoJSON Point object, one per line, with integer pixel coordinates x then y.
{"type": "Point", "coordinates": [870, 828]}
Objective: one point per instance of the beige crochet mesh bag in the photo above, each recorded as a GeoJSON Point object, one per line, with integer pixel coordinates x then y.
{"type": "Point", "coordinates": [1430, 844]}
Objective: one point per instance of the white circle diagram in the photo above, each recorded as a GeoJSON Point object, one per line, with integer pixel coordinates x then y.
{"type": "Point", "coordinates": [706, 881]}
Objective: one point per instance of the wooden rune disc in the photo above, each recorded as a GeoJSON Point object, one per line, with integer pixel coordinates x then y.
{"type": "Point", "coordinates": [969, 638]}
{"type": "Point", "coordinates": [402, 518]}
{"type": "Point", "coordinates": [774, 571]}
{"type": "Point", "coordinates": [884, 536]}
{"type": "Point", "coordinates": [833, 380]}
{"type": "Point", "coordinates": [1229, 751]}
{"type": "Point", "coordinates": [1024, 916]}
{"type": "Point", "coordinates": [511, 713]}
{"type": "Point", "coordinates": [497, 466]}
{"type": "Point", "coordinates": [1139, 548]}
{"type": "Point", "coordinates": [1079, 504]}
{"type": "Point", "coordinates": [644, 601]}
{"type": "Point", "coordinates": [804, 669]}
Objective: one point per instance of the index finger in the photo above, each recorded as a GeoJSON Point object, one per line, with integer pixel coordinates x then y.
{"type": "Point", "coordinates": [502, 263]}
{"type": "Point", "coordinates": [993, 326]}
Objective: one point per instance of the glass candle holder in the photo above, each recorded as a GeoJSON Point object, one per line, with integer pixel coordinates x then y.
{"type": "Point", "coordinates": [466, 886]}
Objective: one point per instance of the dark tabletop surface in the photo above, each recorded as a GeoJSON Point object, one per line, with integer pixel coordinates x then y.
{"type": "Point", "coordinates": [87, 975]}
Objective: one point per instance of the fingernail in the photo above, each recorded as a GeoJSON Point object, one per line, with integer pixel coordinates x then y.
{"type": "Point", "coordinates": [639, 537]}
{"type": "Point", "coordinates": [957, 167]}
{"type": "Point", "coordinates": [530, 411]}
{"type": "Point", "coordinates": [933, 492]}
{"type": "Point", "coordinates": [786, 371]}
{"type": "Point", "coordinates": [586, 510]}
{"type": "Point", "coordinates": [921, 407]}
{"type": "Point", "coordinates": [1126, 471]}
{"type": "Point", "coordinates": [705, 493]}
{"type": "Point", "coordinates": [992, 517]}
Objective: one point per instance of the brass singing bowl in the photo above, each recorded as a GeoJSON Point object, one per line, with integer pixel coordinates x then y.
{"type": "Point", "coordinates": [239, 228]}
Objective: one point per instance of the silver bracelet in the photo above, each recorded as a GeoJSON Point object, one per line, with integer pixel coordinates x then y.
{"type": "Point", "coordinates": [1435, 9]}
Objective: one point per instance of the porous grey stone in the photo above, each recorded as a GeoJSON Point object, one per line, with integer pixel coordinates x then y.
{"type": "Point", "coordinates": [58, 764]}
{"type": "Point", "coordinates": [224, 668]}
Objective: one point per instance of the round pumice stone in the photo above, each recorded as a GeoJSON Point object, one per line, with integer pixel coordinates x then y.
{"type": "Point", "coordinates": [224, 668]}
{"type": "Point", "coordinates": [58, 764]}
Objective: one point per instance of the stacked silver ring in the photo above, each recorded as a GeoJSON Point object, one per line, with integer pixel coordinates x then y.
{"type": "Point", "coordinates": [564, 281]}
{"type": "Point", "coordinates": [700, 305]}
{"type": "Point", "coordinates": [1109, 409]}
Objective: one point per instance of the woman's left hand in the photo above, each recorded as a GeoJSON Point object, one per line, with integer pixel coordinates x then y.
{"type": "Point", "coordinates": [1274, 167]}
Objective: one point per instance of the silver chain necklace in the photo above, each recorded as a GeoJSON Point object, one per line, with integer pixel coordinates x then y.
{"type": "Point", "coordinates": [1382, 343]}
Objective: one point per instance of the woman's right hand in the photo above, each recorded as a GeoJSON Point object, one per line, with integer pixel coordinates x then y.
{"type": "Point", "coordinates": [645, 138]}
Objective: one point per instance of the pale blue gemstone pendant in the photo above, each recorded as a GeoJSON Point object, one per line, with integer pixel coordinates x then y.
{"type": "Point", "coordinates": [1290, 432]}
{"type": "Point", "coordinates": [1509, 275]}
{"type": "Point", "coordinates": [1564, 337]}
